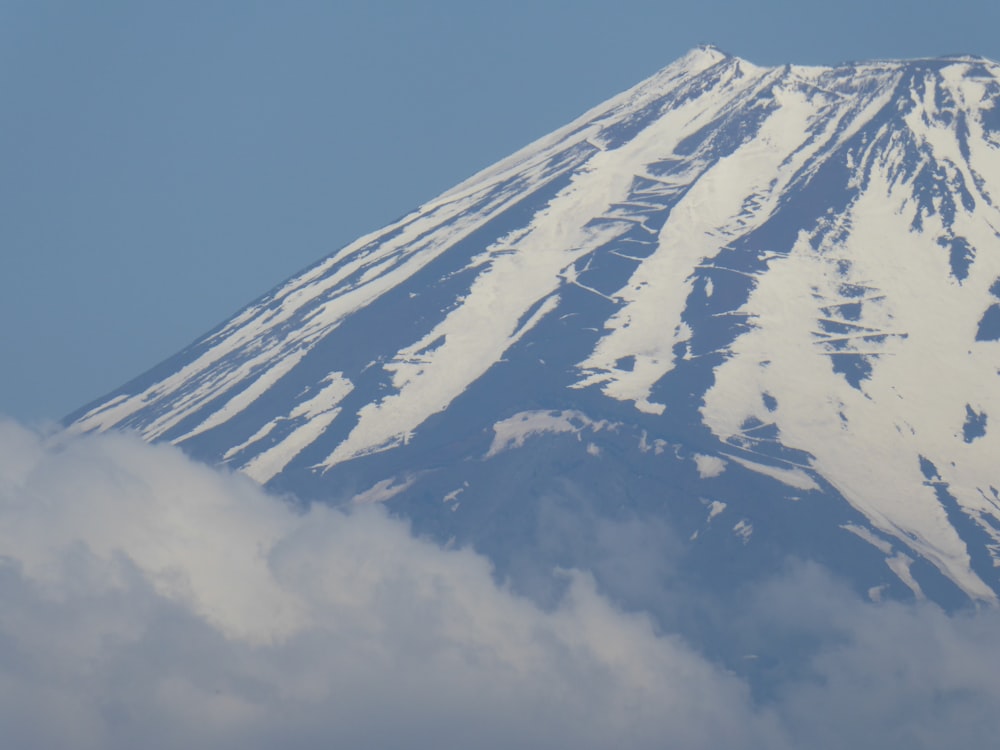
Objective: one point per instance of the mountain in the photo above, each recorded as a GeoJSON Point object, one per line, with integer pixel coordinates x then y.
{"type": "Point", "coordinates": [733, 316]}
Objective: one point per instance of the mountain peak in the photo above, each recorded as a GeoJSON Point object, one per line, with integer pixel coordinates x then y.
{"type": "Point", "coordinates": [711, 51]}
{"type": "Point", "coordinates": [700, 58]}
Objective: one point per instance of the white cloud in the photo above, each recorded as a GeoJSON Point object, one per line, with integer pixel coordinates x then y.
{"type": "Point", "coordinates": [149, 601]}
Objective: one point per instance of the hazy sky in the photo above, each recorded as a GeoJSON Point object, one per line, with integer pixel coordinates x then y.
{"type": "Point", "coordinates": [165, 163]}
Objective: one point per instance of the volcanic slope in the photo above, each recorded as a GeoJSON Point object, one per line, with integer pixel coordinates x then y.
{"type": "Point", "coordinates": [756, 308]}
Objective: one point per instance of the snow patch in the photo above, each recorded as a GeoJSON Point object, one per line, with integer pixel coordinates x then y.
{"type": "Point", "coordinates": [709, 466]}
{"type": "Point", "coordinates": [514, 431]}
{"type": "Point", "coordinates": [796, 478]}
{"type": "Point", "coordinates": [383, 490]}
{"type": "Point", "coordinates": [744, 530]}
{"type": "Point", "coordinates": [860, 531]}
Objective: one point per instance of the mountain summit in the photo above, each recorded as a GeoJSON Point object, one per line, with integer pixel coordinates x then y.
{"type": "Point", "coordinates": [755, 308]}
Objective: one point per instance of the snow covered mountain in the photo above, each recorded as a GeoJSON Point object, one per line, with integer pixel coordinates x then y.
{"type": "Point", "coordinates": [734, 315]}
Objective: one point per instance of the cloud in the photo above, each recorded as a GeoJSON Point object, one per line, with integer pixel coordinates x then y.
{"type": "Point", "coordinates": [149, 601]}
{"type": "Point", "coordinates": [883, 676]}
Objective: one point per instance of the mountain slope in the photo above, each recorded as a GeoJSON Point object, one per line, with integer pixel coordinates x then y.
{"type": "Point", "coordinates": [755, 311]}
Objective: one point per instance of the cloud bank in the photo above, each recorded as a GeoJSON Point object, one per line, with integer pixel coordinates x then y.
{"type": "Point", "coordinates": [149, 601]}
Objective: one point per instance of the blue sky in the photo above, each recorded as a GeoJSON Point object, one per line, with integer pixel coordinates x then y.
{"type": "Point", "coordinates": [165, 163]}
